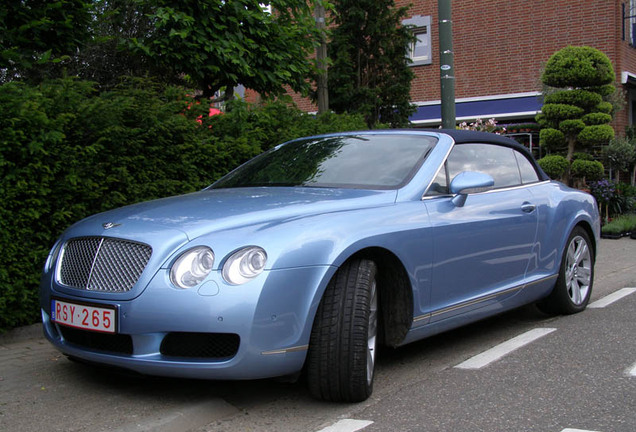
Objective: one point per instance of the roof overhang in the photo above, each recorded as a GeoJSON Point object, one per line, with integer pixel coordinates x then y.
{"type": "Point", "coordinates": [516, 105]}
{"type": "Point", "coordinates": [628, 78]}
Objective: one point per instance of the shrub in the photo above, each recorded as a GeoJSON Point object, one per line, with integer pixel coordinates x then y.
{"type": "Point", "coordinates": [562, 111]}
{"type": "Point", "coordinates": [625, 199]}
{"type": "Point", "coordinates": [582, 156]}
{"type": "Point", "coordinates": [551, 138]}
{"type": "Point", "coordinates": [580, 66]}
{"type": "Point", "coordinates": [596, 135]}
{"type": "Point", "coordinates": [275, 122]}
{"type": "Point", "coordinates": [555, 166]}
{"type": "Point", "coordinates": [597, 118]}
{"type": "Point", "coordinates": [603, 190]}
{"type": "Point", "coordinates": [620, 225]}
{"type": "Point", "coordinates": [581, 98]}
{"type": "Point", "coordinates": [67, 152]}
{"type": "Point", "coordinates": [588, 170]}
{"type": "Point", "coordinates": [620, 154]}
{"type": "Point", "coordinates": [571, 127]}
{"type": "Point", "coordinates": [605, 107]}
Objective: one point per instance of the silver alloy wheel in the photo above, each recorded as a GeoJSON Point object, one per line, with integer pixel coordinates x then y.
{"type": "Point", "coordinates": [373, 331]}
{"type": "Point", "coordinates": [578, 270]}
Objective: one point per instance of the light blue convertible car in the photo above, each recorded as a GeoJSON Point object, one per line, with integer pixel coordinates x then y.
{"type": "Point", "coordinates": [310, 256]}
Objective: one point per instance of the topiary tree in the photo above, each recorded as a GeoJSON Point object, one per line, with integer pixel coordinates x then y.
{"type": "Point", "coordinates": [575, 113]}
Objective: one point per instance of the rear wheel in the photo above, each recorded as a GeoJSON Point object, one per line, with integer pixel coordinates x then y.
{"type": "Point", "coordinates": [342, 348]}
{"type": "Point", "coordinates": [573, 287]}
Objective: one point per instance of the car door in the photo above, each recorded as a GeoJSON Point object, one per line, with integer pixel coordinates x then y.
{"type": "Point", "coordinates": [482, 249]}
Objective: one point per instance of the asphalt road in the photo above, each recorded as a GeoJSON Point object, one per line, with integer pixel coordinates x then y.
{"type": "Point", "coordinates": [577, 376]}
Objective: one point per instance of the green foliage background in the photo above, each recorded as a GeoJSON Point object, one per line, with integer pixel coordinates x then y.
{"type": "Point", "coordinates": [369, 73]}
{"type": "Point", "coordinates": [67, 151]}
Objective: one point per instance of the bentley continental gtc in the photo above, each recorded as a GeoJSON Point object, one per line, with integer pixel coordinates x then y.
{"type": "Point", "coordinates": [313, 254]}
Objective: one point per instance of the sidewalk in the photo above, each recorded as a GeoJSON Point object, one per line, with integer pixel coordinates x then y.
{"type": "Point", "coordinates": [41, 390]}
{"type": "Point", "coordinates": [19, 334]}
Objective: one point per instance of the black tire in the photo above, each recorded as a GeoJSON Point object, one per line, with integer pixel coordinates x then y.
{"type": "Point", "coordinates": [573, 287]}
{"type": "Point", "coordinates": [341, 358]}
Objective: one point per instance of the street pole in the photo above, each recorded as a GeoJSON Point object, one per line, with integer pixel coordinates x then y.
{"type": "Point", "coordinates": [321, 59]}
{"type": "Point", "coordinates": [446, 61]}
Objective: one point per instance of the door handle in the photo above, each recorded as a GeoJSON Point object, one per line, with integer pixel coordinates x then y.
{"type": "Point", "coordinates": [527, 207]}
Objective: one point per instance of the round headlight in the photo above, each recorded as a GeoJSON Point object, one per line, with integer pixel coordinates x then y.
{"type": "Point", "coordinates": [192, 267]}
{"type": "Point", "coordinates": [244, 265]}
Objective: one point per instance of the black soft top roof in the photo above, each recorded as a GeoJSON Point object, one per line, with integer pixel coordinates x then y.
{"type": "Point", "coordinates": [461, 136]}
{"type": "Point", "coordinates": [469, 136]}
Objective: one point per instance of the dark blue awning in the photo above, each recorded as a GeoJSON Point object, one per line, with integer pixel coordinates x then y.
{"type": "Point", "coordinates": [470, 109]}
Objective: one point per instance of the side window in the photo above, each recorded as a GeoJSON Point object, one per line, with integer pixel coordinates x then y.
{"type": "Point", "coordinates": [497, 161]}
{"type": "Point", "coordinates": [528, 173]}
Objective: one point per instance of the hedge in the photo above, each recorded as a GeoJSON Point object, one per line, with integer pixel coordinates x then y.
{"type": "Point", "coordinates": [67, 151]}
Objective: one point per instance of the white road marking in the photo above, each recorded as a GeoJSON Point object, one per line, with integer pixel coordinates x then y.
{"type": "Point", "coordinates": [632, 371]}
{"type": "Point", "coordinates": [609, 299]}
{"type": "Point", "coordinates": [347, 425]}
{"type": "Point", "coordinates": [484, 359]}
{"type": "Point", "coordinates": [577, 430]}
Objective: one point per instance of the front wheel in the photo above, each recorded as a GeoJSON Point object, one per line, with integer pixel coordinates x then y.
{"type": "Point", "coordinates": [576, 276]}
{"type": "Point", "coordinates": [342, 348]}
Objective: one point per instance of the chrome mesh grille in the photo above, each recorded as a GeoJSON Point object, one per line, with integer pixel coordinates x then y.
{"type": "Point", "coordinates": [102, 264]}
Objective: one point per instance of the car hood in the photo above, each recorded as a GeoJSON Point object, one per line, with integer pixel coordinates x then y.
{"type": "Point", "coordinates": [211, 210]}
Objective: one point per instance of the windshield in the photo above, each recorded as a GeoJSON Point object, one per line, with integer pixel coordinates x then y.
{"type": "Point", "coordinates": [382, 161]}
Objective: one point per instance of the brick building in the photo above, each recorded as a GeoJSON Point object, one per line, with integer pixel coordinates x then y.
{"type": "Point", "coordinates": [500, 47]}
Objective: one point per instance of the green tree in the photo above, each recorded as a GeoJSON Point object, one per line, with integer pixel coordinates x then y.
{"type": "Point", "coordinates": [621, 156]}
{"type": "Point", "coordinates": [219, 44]}
{"type": "Point", "coordinates": [106, 57]}
{"type": "Point", "coordinates": [576, 112]}
{"type": "Point", "coordinates": [36, 33]}
{"type": "Point", "coordinates": [370, 73]}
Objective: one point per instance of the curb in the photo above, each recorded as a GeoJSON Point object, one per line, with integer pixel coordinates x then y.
{"type": "Point", "coordinates": [20, 334]}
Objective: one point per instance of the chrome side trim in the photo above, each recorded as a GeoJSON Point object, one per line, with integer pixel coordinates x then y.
{"type": "Point", "coordinates": [421, 317]}
{"type": "Point", "coordinates": [476, 301]}
{"type": "Point", "coordinates": [287, 350]}
{"type": "Point", "coordinates": [481, 299]}
{"type": "Point", "coordinates": [503, 189]}
{"type": "Point", "coordinates": [509, 188]}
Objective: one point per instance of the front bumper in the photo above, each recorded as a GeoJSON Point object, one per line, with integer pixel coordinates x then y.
{"type": "Point", "coordinates": [268, 319]}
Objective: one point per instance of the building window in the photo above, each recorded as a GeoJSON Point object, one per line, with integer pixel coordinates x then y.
{"type": "Point", "coordinates": [420, 50]}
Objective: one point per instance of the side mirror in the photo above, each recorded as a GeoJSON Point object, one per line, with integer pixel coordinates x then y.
{"type": "Point", "coordinates": [469, 182]}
